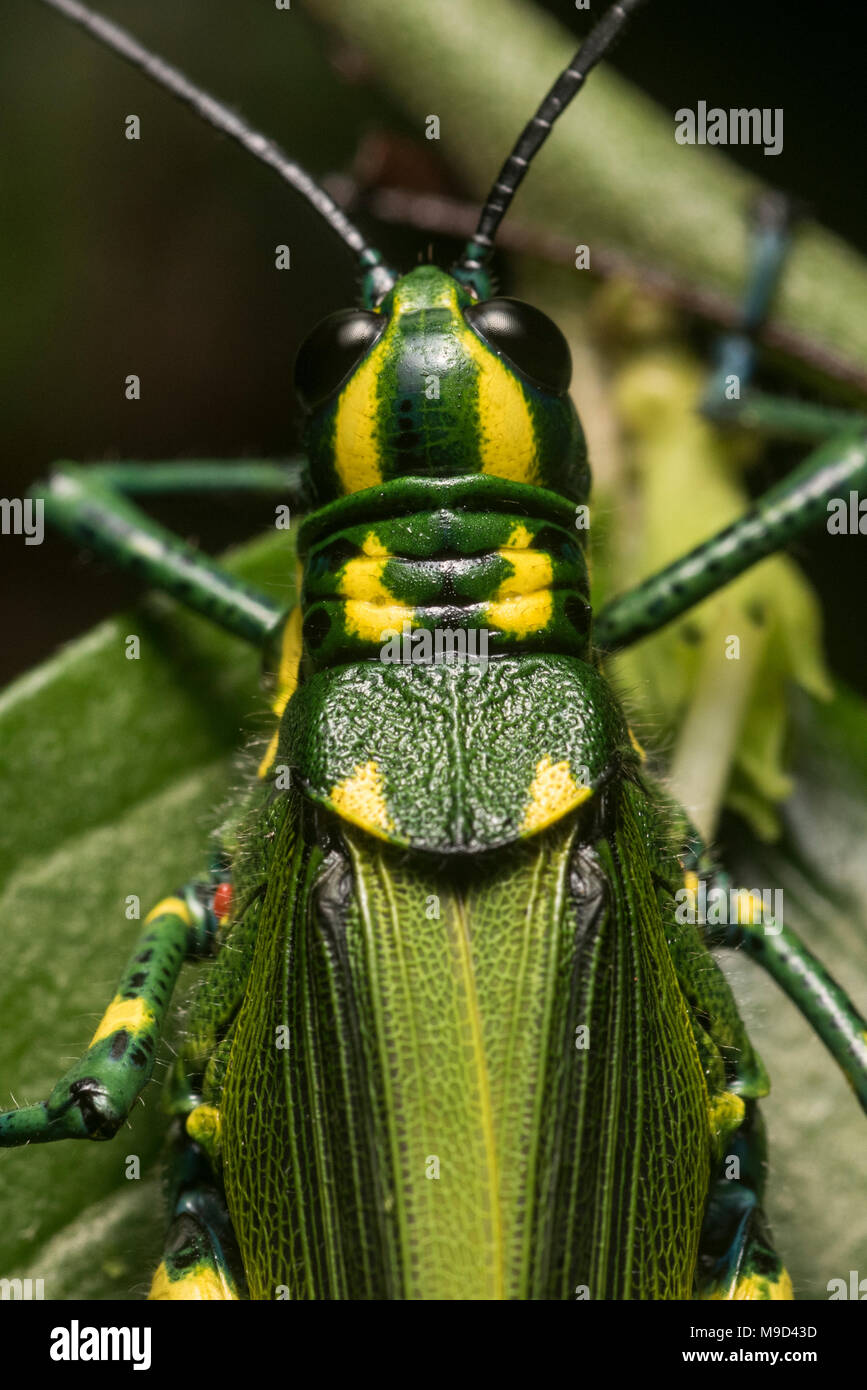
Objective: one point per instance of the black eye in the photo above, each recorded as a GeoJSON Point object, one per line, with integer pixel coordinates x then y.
{"type": "Point", "coordinates": [527, 338]}
{"type": "Point", "coordinates": [333, 349]}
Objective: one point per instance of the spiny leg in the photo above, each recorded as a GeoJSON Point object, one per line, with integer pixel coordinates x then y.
{"type": "Point", "coordinates": [780, 951]}
{"type": "Point", "coordinates": [783, 513]}
{"type": "Point", "coordinates": [91, 506]}
{"type": "Point", "coordinates": [96, 1095]}
{"type": "Point", "coordinates": [814, 992]}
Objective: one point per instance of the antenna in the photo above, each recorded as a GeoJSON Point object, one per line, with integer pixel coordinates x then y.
{"type": "Point", "coordinates": [599, 41]}
{"type": "Point", "coordinates": [378, 279]}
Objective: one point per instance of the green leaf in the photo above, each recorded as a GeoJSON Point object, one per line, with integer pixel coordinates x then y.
{"type": "Point", "coordinates": [112, 776]}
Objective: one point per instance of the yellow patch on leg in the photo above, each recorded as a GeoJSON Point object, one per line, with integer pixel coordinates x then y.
{"type": "Point", "coordinates": [727, 1113]}
{"type": "Point", "coordinates": [171, 907]}
{"type": "Point", "coordinates": [758, 1288]}
{"type": "Point", "coordinates": [131, 1015]}
{"type": "Point", "coordinates": [201, 1284]}
{"type": "Point", "coordinates": [204, 1127]}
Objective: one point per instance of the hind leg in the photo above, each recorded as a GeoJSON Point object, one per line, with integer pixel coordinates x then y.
{"type": "Point", "coordinates": [736, 1258]}
{"type": "Point", "coordinates": [200, 1257]}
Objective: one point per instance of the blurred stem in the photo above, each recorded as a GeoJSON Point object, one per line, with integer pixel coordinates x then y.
{"type": "Point", "coordinates": [612, 172]}
{"type": "Point", "coordinates": [710, 733]}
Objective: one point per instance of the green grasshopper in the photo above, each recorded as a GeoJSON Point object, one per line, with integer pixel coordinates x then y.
{"type": "Point", "coordinates": [454, 1040]}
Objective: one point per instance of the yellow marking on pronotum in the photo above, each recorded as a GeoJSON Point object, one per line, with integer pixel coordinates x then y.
{"type": "Point", "coordinates": [532, 572]}
{"type": "Point", "coordinates": [362, 579]}
{"type": "Point", "coordinates": [133, 1015]}
{"type": "Point", "coordinates": [199, 1284]}
{"type": "Point", "coordinates": [171, 907]}
{"type": "Point", "coordinates": [287, 681]}
{"type": "Point", "coordinates": [553, 793]}
{"type": "Point", "coordinates": [360, 799]}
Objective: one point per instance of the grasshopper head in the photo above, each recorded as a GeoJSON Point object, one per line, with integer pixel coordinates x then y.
{"type": "Point", "coordinates": [434, 383]}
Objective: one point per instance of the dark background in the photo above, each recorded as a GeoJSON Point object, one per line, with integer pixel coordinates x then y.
{"type": "Point", "coordinates": [156, 257]}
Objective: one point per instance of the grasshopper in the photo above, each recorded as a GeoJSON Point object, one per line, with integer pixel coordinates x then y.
{"type": "Point", "coordinates": [454, 1040]}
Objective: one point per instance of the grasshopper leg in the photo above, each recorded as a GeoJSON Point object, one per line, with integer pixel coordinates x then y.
{"type": "Point", "coordinates": [95, 1096]}
{"type": "Point", "coordinates": [814, 992]}
{"type": "Point", "coordinates": [787, 509]}
{"type": "Point", "coordinates": [92, 507]}
{"type": "Point", "coordinates": [736, 1258]}
{"type": "Point", "coordinates": [729, 398]}
{"type": "Point", "coordinates": [200, 1256]}
{"type": "Point", "coordinates": [783, 513]}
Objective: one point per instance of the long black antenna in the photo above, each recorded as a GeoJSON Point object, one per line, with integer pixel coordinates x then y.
{"type": "Point", "coordinates": [228, 122]}
{"type": "Point", "coordinates": [602, 36]}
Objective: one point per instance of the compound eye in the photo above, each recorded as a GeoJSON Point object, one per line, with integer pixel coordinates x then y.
{"type": "Point", "coordinates": [526, 338]}
{"type": "Point", "coordinates": [332, 352]}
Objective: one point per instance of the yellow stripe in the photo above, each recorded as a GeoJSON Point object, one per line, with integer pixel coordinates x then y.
{"type": "Point", "coordinates": [507, 440]}
{"type": "Point", "coordinates": [371, 621]}
{"type": "Point", "coordinates": [290, 656]}
{"type": "Point", "coordinates": [356, 451]}
{"type": "Point", "coordinates": [523, 602]}
{"type": "Point", "coordinates": [637, 746]}
{"type": "Point", "coordinates": [134, 1015]}
{"type": "Point", "coordinates": [201, 1284]}
{"type": "Point", "coordinates": [171, 907]}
